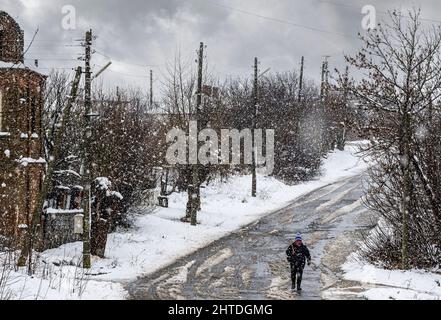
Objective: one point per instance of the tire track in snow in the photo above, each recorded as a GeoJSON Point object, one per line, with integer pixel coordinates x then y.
{"type": "Point", "coordinates": [214, 260]}
{"type": "Point", "coordinates": [251, 263]}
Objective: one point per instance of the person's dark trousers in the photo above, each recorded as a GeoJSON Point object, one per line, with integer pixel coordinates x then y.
{"type": "Point", "coordinates": [296, 276]}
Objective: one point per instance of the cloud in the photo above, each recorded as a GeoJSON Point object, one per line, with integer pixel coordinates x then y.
{"type": "Point", "coordinates": [138, 33]}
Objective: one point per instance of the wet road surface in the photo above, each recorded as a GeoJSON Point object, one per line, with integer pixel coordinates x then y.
{"type": "Point", "coordinates": [251, 263]}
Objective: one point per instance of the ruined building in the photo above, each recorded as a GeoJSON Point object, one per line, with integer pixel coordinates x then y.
{"type": "Point", "coordinates": [21, 136]}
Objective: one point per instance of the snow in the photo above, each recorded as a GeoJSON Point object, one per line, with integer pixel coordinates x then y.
{"type": "Point", "coordinates": [215, 260]}
{"type": "Point", "coordinates": [103, 183]}
{"type": "Point", "coordinates": [61, 211]}
{"type": "Point", "coordinates": [26, 161]}
{"type": "Point", "coordinates": [115, 194]}
{"type": "Point", "coordinates": [393, 284]}
{"type": "Point", "coordinates": [5, 134]}
{"type": "Point", "coordinates": [382, 284]}
{"type": "Point", "coordinates": [160, 238]}
{"type": "Point", "coordinates": [7, 153]}
{"type": "Point", "coordinates": [68, 172]}
{"type": "Point", "coordinates": [62, 188]}
{"type": "Point", "coordinates": [61, 283]}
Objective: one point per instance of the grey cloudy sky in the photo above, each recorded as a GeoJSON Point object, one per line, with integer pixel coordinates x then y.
{"type": "Point", "coordinates": [137, 33]}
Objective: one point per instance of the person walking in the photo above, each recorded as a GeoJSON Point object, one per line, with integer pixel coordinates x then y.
{"type": "Point", "coordinates": [297, 255]}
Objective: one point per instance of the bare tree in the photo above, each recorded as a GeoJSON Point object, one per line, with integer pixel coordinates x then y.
{"type": "Point", "coordinates": [402, 68]}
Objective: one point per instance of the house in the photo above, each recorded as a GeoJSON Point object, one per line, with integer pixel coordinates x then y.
{"type": "Point", "coordinates": [22, 163]}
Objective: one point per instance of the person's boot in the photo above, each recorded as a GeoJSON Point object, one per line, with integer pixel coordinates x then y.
{"type": "Point", "coordinates": [293, 286]}
{"type": "Point", "coordinates": [299, 288]}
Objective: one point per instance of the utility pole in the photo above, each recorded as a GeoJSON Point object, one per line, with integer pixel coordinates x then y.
{"type": "Point", "coordinates": [151, 89]}
{"type": "Point", "coordinates": [87, 160]}
{"type": "Point", "coordinates": [195, 201]}
{"type": "Point", "coordinates": [341, 139]}
{"type": "Point", "coordinates": [325, 78]}
{"type": "Point", "coordinates": [322, 82]}
{"type": "Point", "coordinates": [47, 184]}
{"type": "Point", "coordinates": [255, 105]}
{"type": "Point", "coordinates": [302, 65]}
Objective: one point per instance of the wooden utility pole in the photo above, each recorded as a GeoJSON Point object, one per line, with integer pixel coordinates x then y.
{"type": "Point", "coordinates": [47, 184]}
{"type": "Point", "coordinates": [87, 159]}
{"type": "Point", "coordinates": [322, 82]}
{"type": "Point", "coordinates": [195, 201]}
{"type": "Point", "coordinates": [322, 85]}
{"type": "Point", "coordinates": [302, 65]}
{"type": "Point", "coordinates": [151, 89]}
{"type": "Point", "coordinates": [325, 78]}
{"type": "Point", "coordinates": [341, 138]}
{"type": "Point", "coordinates": [255, 105]}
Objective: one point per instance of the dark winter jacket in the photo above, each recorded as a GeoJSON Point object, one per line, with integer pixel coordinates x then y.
{"type": "Point", "coordinates": [297, 255]}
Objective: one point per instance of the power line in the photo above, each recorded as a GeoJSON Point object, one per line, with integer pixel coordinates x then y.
{"type": "Point", "coordinates": [128, 63]}
{"type": "Point", "coordinates": [56, 46]}
{"type": "Point", "coordinates": [36, 40]}
{"type": "Point", "coordinates": [129, 75]}
{"type": "Point", "coordinates": [378, 11]}
{"type": "Point", "coordinates": [56, 68]}
{"type": "Point", "coordinates": [279, 20]}
{"type": "Point", "coordinates": [52, 59]}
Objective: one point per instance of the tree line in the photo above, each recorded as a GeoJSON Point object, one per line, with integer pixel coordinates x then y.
{"type": "Point", "coordinates": [128, 142]}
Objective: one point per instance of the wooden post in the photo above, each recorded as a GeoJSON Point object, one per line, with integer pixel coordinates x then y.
{"type": "Point", "coordinates": [341, 139]}
{"type": "Point", "coordinates": [151, 89]}
{"type": "Point", "coordinates": [195, 201]}
{"type": "Point", "coordinates": [302, 64]}
{"type": "Point", "coordinates": [87, 160]}
{"type": "Point", "coordinates": [255, 102]}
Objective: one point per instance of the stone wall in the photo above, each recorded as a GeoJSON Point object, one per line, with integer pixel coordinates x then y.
{"type": "Point", "coordinates": [59, 228]}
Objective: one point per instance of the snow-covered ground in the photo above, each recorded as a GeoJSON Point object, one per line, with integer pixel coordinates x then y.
{"type": "Point", "coordinates": [384, 284]}
{"type": "Point", "coordinates": [381, 284]}
{"type": "Point", "coordinates": [159, 238]}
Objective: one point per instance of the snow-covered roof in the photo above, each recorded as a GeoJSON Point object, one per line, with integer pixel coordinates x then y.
{"type": "Point", "coordinates": [20, 65]}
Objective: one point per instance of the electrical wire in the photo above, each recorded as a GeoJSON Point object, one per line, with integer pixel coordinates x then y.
{"type": "Point", "coordinates": [128, 63]}
{"type": "Point", "coordinates": [347, 5]}
{"type": "Point", "coordinates": [298, 25]}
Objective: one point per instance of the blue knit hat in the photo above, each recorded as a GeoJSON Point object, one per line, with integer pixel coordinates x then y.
{"type": "Point", "coordinates": [298, 237]}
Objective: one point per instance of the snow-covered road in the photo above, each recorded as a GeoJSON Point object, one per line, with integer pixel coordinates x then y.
{"type": "Point", "coordinates": [251, 263]}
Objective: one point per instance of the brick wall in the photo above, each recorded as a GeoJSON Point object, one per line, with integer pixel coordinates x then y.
{"type": "Point", "coordinates": [11, 39]}
{"type": "Point", "coordinates": [20, 181]}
